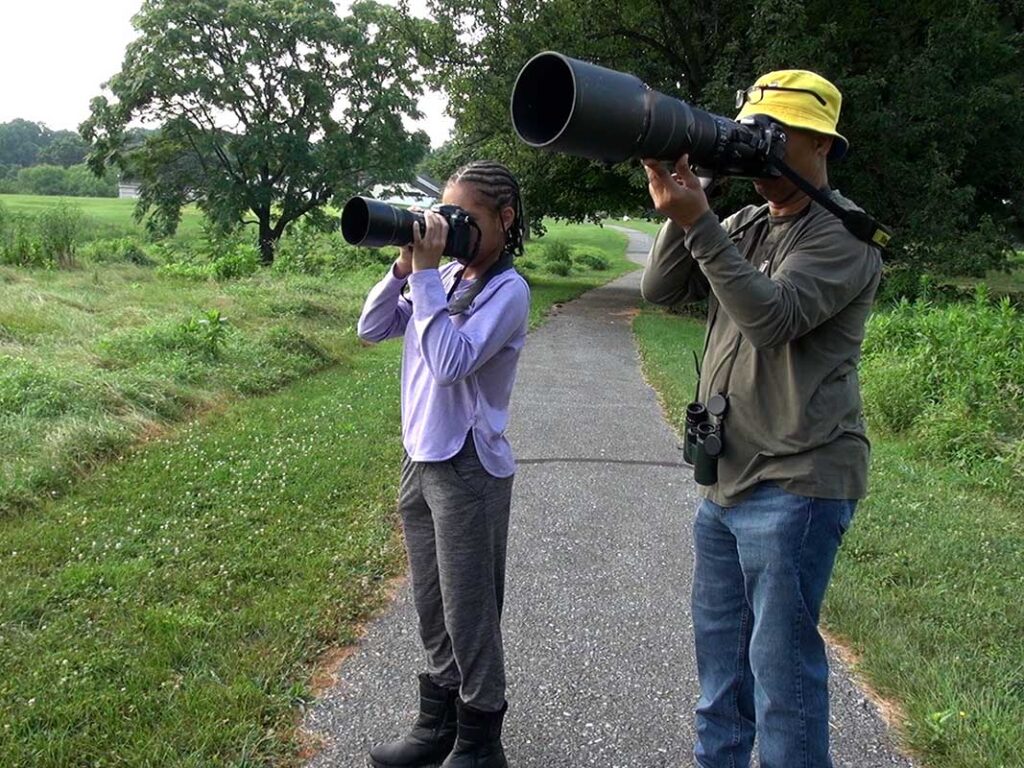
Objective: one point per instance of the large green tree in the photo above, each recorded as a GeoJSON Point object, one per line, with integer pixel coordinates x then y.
{"type": "Point", "coordinates": [267, 108]}
{"type": "Point", "coordinates": [932, 99]}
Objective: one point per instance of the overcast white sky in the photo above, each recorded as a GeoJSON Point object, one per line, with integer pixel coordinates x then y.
{"type": "Point", "coordinates": [54, 54]}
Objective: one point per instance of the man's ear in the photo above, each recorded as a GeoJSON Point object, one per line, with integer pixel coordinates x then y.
{"type": "Point", "coordinates": [823, 145]}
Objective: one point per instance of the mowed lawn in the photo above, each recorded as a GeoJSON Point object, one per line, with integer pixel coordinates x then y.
{"type": "Point", "coordinates": [166, 599]}
{"type": "Point", "coordinates": [106, 216]}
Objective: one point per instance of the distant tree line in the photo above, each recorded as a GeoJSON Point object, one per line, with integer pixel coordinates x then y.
{"type": "Point", "coordinates": [35, 160]}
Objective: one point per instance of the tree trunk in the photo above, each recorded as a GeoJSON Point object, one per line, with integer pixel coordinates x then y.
{"type": "Point", "coordinates": [267, 240]}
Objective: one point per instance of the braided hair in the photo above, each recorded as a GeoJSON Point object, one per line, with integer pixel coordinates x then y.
{"type": "Point", "coordinates": [496, 182]}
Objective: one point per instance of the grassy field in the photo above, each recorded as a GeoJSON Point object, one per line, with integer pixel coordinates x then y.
{"type": "Point", "coordinates": [107, 216]}
{"type": "Point", "coordinates": [99, 356]}
{"type": "Point", "coordinates": [1001, 283]}
{"type": "Point", "coordinates": [168, 607]}
{"type": "Point", "coordinates": [927, 585]}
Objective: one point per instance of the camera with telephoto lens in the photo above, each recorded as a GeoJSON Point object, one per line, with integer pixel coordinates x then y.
{"type": "Point", "coordinates": [567, 105]}
{"type": "Point", "coordinates": [374, 224]}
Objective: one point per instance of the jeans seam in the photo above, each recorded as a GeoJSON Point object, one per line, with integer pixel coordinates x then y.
{"type": "Point", "coordinates": [808, 507]}
{"type": "Point", "coordinates": [741, 677]}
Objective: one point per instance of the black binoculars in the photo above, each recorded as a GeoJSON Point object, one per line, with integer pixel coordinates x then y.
{"type": "Point", "coordinates": [704, 439]}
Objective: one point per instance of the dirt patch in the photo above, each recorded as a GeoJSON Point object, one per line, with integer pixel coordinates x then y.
{"type": "Point", "coordinates": [326, 672]}
{"type": "Point", "coordinates": [890, 711]}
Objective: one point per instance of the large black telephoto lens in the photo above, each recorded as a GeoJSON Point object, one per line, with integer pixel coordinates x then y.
{"type": "Point", "coordinates": [567, 105]}
{"type": "Point", "coordinates": [374, 224]}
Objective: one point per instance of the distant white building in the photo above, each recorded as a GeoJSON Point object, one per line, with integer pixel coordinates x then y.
{"type": "Point", "coordinates": [423, 192]}
{"type": "Point", "coordinates": [128, 188]}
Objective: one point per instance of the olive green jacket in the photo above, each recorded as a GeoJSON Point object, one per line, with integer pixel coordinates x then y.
{"type": "Point", "coordinates": [788, 302]}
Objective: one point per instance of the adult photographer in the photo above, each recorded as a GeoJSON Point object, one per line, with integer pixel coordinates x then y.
{"type": "Point", "coordinates": [789, 291]}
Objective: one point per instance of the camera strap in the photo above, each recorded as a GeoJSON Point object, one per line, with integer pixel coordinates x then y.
{"type": "Point", "coordinates": [460, 303]}
{"type": "Point", "coordinates": [861, 225]}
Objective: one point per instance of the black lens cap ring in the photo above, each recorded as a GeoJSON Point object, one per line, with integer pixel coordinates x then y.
{"type": "Point", "coordinates": [713, 445]}
{"type": "Point", "coordinates": [718, 404]}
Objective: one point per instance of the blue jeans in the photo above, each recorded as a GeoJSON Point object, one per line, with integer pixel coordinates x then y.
{"type": "Point", "coordinates": [760, 574]}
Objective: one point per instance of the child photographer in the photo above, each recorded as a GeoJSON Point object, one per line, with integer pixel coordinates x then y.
{"type": "Point", "coordinates": [463, 326]}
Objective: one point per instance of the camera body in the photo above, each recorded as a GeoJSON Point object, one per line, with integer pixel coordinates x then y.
{"type": "Point", "coordinates": [375, 224]}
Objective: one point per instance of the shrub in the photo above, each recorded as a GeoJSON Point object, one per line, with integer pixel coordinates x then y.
{"type": "Point", "coordinates": [53, 180]}
{"type": "Point", "coordinates": [238, 260]}
{"type": "Point", "coordinates": [557, 252]}
{"type": "Point", "coordinates": [899, 282]}
{"type": "Point", "coordinates": [60, 231]}
{"type": "Point", "coordinates": [306, 251]}
{"type": "Point", "coordinates": [591, 260]}
{"type": "Point", "coordinates": [19, 243]}
{"type": "Point", "coordinates": [213, 257]}
{"type": "Point", "coordinates": [125, 250]}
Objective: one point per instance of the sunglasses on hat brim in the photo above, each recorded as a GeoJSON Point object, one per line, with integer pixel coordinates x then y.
{"type": "Point", "coordinates": [755, 93]}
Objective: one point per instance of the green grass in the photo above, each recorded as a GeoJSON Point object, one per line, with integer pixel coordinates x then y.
{"type": "Point", "coordinates": [927, 586]}
{"type": "Point", "coordinates": [94, 358]}
{"type": "Point", "coordinates": [106, 216]}
{"type": "Point", "coordinates": [168, 611]}
{"type": "Point", "coordinates": [641, 225]}
{"type": "Point", "coordinates": [168, 608]}
{"type": "Point", "coordinates": [1001, 283]}
{"type": "Point", "coordinates": [547, 288]}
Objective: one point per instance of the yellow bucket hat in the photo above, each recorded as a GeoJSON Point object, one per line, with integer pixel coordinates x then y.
{"type": "Point", "coordinates": [799, 99]}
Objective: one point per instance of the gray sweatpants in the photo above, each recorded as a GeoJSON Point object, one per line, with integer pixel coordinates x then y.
{"type": "Point", "coordinates": [455, 516]}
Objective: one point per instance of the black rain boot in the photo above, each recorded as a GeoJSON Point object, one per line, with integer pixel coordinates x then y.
{"type": "Point", "coordinates": [432, 735]}
{"type": "Point", "coordinates": [479, 742]}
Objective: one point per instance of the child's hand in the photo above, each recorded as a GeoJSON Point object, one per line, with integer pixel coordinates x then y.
{"type": "Point", "coordinates": [426, 248]}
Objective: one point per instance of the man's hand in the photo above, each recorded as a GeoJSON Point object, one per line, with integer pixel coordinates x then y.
{"type": "Point", "coordinates": [679, 195]}
{"type": "Point", "coordinates": [426, 248]}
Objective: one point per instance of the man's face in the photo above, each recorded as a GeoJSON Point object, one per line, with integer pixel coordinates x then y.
{"type": "Point", "coordinates": [806, 153]}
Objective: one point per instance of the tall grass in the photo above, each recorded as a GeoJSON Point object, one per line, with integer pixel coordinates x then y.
{"type": "Point", "coordinates": [951, 379]}
{"type": "Point", "coordinates": [928, 582]}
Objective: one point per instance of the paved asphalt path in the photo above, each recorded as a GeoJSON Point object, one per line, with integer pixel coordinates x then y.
{"type": "Point", "coordinates": [597, 628]}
